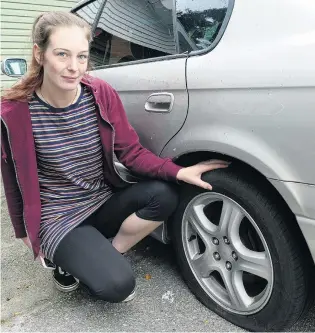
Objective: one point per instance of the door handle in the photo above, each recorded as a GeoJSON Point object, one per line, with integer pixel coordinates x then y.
{"type": "Point", "coordinates": [160, 102]}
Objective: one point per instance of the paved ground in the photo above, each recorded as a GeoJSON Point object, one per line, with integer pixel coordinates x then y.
{"type": "Point", "coordinates": [31, 304]}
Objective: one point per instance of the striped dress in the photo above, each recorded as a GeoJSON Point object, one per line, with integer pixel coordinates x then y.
{"type": "Point", "coordinates": [70, 166]}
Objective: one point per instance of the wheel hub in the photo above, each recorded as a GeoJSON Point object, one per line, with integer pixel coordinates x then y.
{"type": "Point", "coordinates": [225, 251]}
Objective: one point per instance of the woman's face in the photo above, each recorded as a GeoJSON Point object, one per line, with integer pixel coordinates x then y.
{"type": "Point", "coordinates": [66, 58]}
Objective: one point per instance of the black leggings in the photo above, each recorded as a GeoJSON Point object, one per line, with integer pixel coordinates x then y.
{"type": "Point", "coordinates": [86, 253]}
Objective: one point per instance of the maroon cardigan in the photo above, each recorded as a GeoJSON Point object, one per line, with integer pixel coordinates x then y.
{"type": "Point", "coordinates": [19, 166]}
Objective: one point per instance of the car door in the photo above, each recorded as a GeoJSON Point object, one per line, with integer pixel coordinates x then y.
{"type": "Point", "coordinates": [136, 49]}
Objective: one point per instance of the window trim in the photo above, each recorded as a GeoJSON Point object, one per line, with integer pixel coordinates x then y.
{"type": "Point", "coordinates": [81, 4]}
{"type": "Point", "coordinates": [98, 14]}
{"type": "Point", "coordinates": [175, 26]}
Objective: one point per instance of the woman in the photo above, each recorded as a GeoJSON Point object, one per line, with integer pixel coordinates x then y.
{"type": "Point", "coordinates": [60, 130]}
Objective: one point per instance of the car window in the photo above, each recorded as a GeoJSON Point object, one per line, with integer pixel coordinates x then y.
{"type": "Point", "coordinates": [199, 22]}
{"type": "Point", "coordinates": [131, 30]}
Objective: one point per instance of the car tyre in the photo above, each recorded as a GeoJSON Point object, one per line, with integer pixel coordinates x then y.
{"type": "Point", "coordinates": [289, 295]}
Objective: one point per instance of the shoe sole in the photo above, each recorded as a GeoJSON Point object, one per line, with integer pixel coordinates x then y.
{"type": "Point", "coordinates": [68, 289]}
{"type": "Point", "coordinates": [130, 297]}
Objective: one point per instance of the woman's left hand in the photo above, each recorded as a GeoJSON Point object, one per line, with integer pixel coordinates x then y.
{"type": "Point", "coordinates": [192, 174]}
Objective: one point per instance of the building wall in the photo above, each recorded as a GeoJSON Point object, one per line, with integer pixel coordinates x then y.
{"type": "Point", "coordinates": [17, 17]}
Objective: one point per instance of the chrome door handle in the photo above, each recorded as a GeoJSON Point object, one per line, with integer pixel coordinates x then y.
{"type": "Point", "coordinates": [160, 102]}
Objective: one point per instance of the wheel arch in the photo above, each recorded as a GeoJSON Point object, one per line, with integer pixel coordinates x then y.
{"type": "Point", "coordinates": [245, 169]}
{"type": "Point", "coordinates": [249, 172]}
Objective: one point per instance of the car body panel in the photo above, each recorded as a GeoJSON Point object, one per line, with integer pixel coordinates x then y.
{"type": "Point", "coordinates": [142, 79]}
{"type": "Point", "coordinates": [299, 197]}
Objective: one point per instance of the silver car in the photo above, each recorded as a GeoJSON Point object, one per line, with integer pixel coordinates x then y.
{"type": "Point", "coordinates": [233, 80]}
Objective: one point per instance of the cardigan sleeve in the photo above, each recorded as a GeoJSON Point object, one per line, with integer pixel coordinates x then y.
{"type": "Point", "coordinates": [11, 189]}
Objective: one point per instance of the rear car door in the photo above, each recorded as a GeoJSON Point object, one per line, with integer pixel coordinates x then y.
{"type": "Point", "coordinates": [137, 50]}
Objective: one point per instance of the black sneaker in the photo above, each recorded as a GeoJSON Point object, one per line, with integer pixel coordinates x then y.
{"type": "Point", "coordinates": [64, 281]}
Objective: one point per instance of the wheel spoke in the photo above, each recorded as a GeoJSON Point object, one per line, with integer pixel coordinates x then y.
{"type": "Point", "coordinates": [203, 264]}
{"type": "Point", "coordinates": [256, 263]}
{"type": "Point", "coordinates": [200, 224]}
{"type": "Point", "coordinates": [198, 212]}
{"type": "Point", "coordinates": [235, 289]}
{"type": "Point", "coordinates": [231, 217]}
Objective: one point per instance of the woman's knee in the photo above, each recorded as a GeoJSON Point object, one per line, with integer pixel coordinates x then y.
{"type": "Point", "coordinates": [164, 199]}
{"type": "Point", "coordinates": [115, 289]}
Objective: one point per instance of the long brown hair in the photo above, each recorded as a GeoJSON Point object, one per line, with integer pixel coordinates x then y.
{"type": "Point", "coordinates": [43, 27]}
